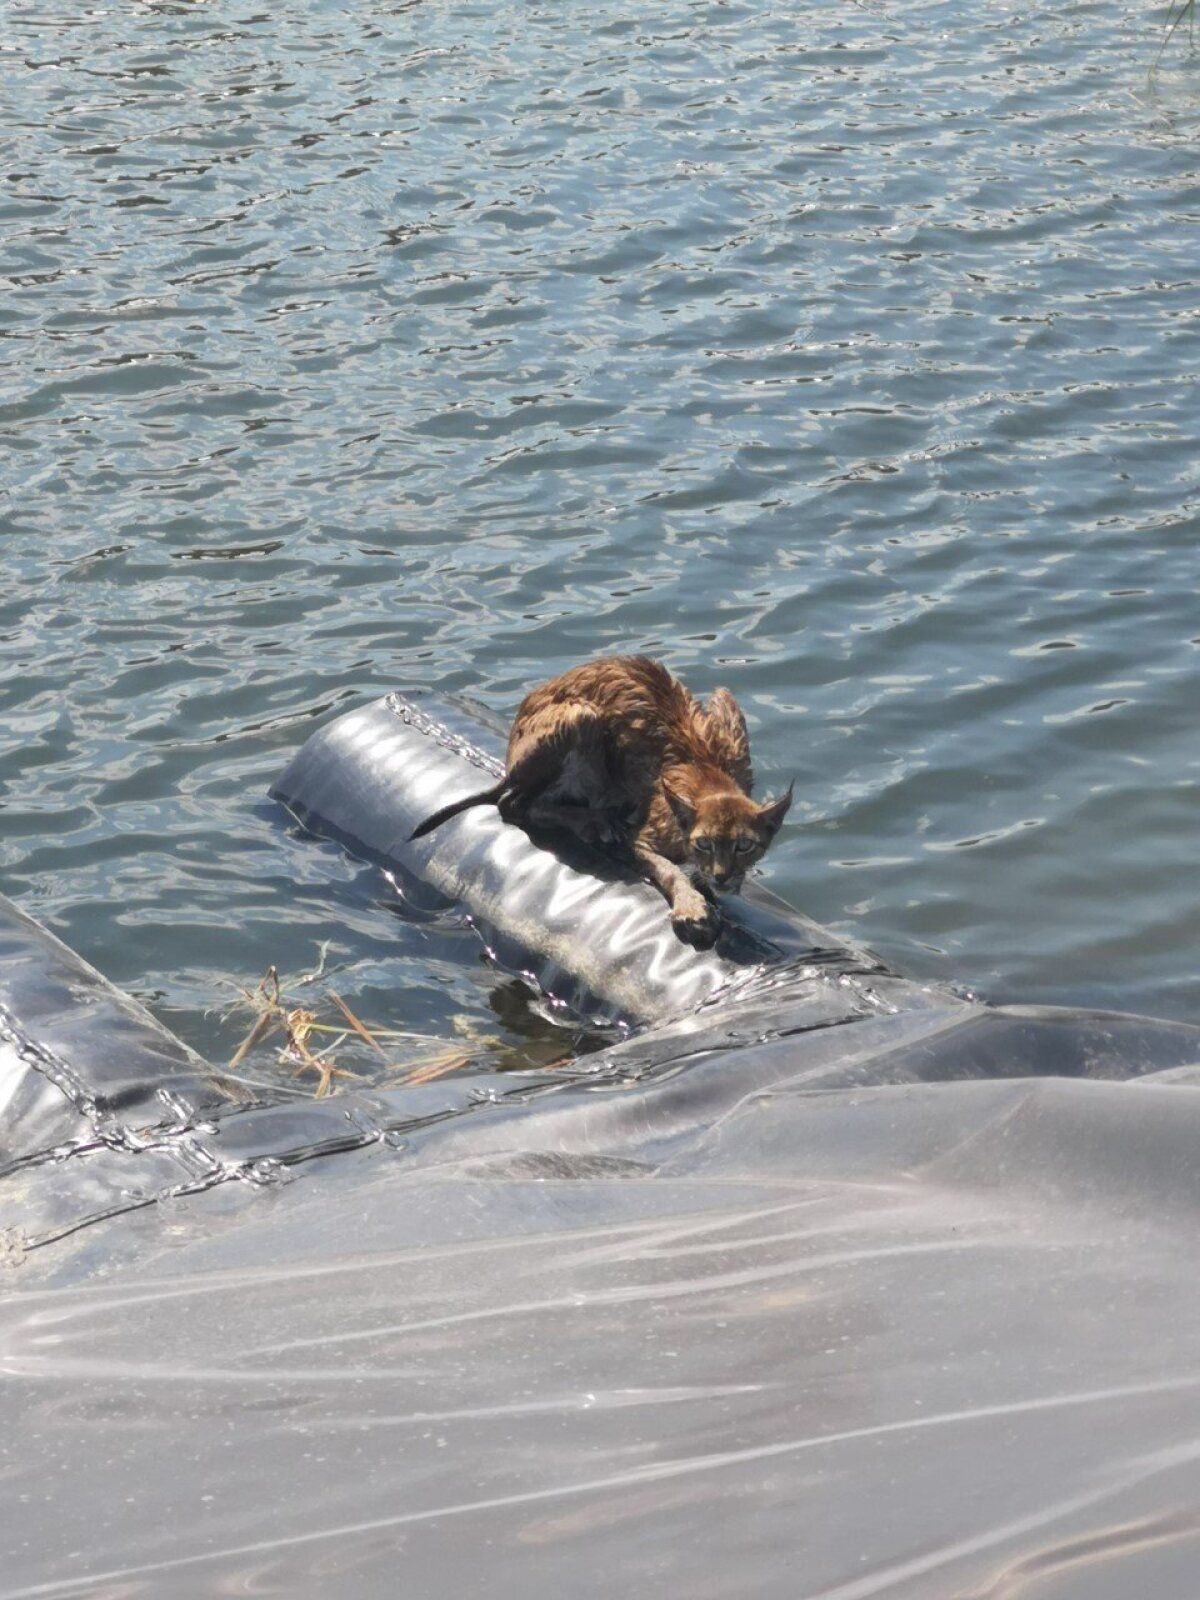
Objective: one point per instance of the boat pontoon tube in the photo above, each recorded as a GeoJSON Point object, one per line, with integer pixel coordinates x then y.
{"type": "Point", "coordinates": [746, 1305]}
{"type": "Point", "coordinates": [597, 937]}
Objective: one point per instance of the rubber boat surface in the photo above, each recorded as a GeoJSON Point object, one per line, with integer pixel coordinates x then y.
{"type": "Point", "coordinates": [815, 1283]}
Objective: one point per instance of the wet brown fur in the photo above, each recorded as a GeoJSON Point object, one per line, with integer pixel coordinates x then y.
{"type": "Point", "coordinates": [620, 751]}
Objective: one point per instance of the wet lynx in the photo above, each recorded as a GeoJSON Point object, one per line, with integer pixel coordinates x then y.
{"type": "Point", "coordinates": [619, 751]}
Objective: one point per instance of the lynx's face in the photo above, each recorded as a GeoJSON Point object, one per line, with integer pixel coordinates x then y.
{"type": "Point", "coordinates": [726, 834]}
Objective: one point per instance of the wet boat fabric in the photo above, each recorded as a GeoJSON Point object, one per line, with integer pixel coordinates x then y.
{"type": "Point", "coordinates": [829, 1285]}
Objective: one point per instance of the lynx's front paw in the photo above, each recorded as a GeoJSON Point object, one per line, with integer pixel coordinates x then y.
{"type": "Point", "coordinates": [696, 922]}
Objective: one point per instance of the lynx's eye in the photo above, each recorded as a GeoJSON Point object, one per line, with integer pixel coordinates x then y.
{"type": "Point", "coordinates": [703, 847]}
{"type": "Point", "coordinates": [744, 845]}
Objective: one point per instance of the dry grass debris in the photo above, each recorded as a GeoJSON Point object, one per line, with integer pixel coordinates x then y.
{"type": "Point", "coordinates": [311, 1037]}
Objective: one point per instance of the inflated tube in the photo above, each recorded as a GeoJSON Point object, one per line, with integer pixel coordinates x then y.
{"type": "Point", "coordinates": [591, 935]}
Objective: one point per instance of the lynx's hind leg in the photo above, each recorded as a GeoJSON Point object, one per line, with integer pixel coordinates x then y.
{"type": "Point", "coordinates": [595, 825]}
{"type": "Point", "coordinates": [557, 753]}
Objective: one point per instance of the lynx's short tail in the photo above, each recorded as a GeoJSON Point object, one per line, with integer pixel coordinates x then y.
{"type": "Point", "coordinates": [484, 798]}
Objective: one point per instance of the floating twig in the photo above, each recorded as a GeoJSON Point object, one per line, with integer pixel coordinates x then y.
{"type": "Point", "coordinates": [266, 1024]}
{"type": "Point", "coordinates": [358, 1027]}
{"type": "Point", "coordinates": [300, 1023]}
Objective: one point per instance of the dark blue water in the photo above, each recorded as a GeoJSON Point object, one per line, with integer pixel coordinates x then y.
{"type": "Point", "coordinates": [845, 355]}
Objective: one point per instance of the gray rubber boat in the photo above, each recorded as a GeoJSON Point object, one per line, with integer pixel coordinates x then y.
{"type": "Point", "coordinates": [814, 1283]}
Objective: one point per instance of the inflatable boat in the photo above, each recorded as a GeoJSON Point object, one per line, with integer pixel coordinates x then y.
{"type": "Point", "coordinates": [813, 1282]}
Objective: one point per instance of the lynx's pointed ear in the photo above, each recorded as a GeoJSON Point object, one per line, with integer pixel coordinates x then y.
{"type": "Point", "coordinates": [773, 813]}
{"type": "Point", "coordinates": [685, 814]}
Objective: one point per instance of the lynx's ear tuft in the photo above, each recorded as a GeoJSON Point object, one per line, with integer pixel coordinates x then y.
{"type": "Point", "coordinates": [685, 814]}
{"type": "Point", "coordinates": [773, 813]}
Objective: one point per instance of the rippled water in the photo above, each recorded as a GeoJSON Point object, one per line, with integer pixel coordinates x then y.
{"type": "Point", "coordinates": [842, 354]}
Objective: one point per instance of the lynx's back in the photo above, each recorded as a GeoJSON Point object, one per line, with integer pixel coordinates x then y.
{"type": "Point", "coordinates": [645, 716]}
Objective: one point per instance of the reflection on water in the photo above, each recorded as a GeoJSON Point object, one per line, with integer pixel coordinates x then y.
{"type": "Point", "coordinates": [842, 355]}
